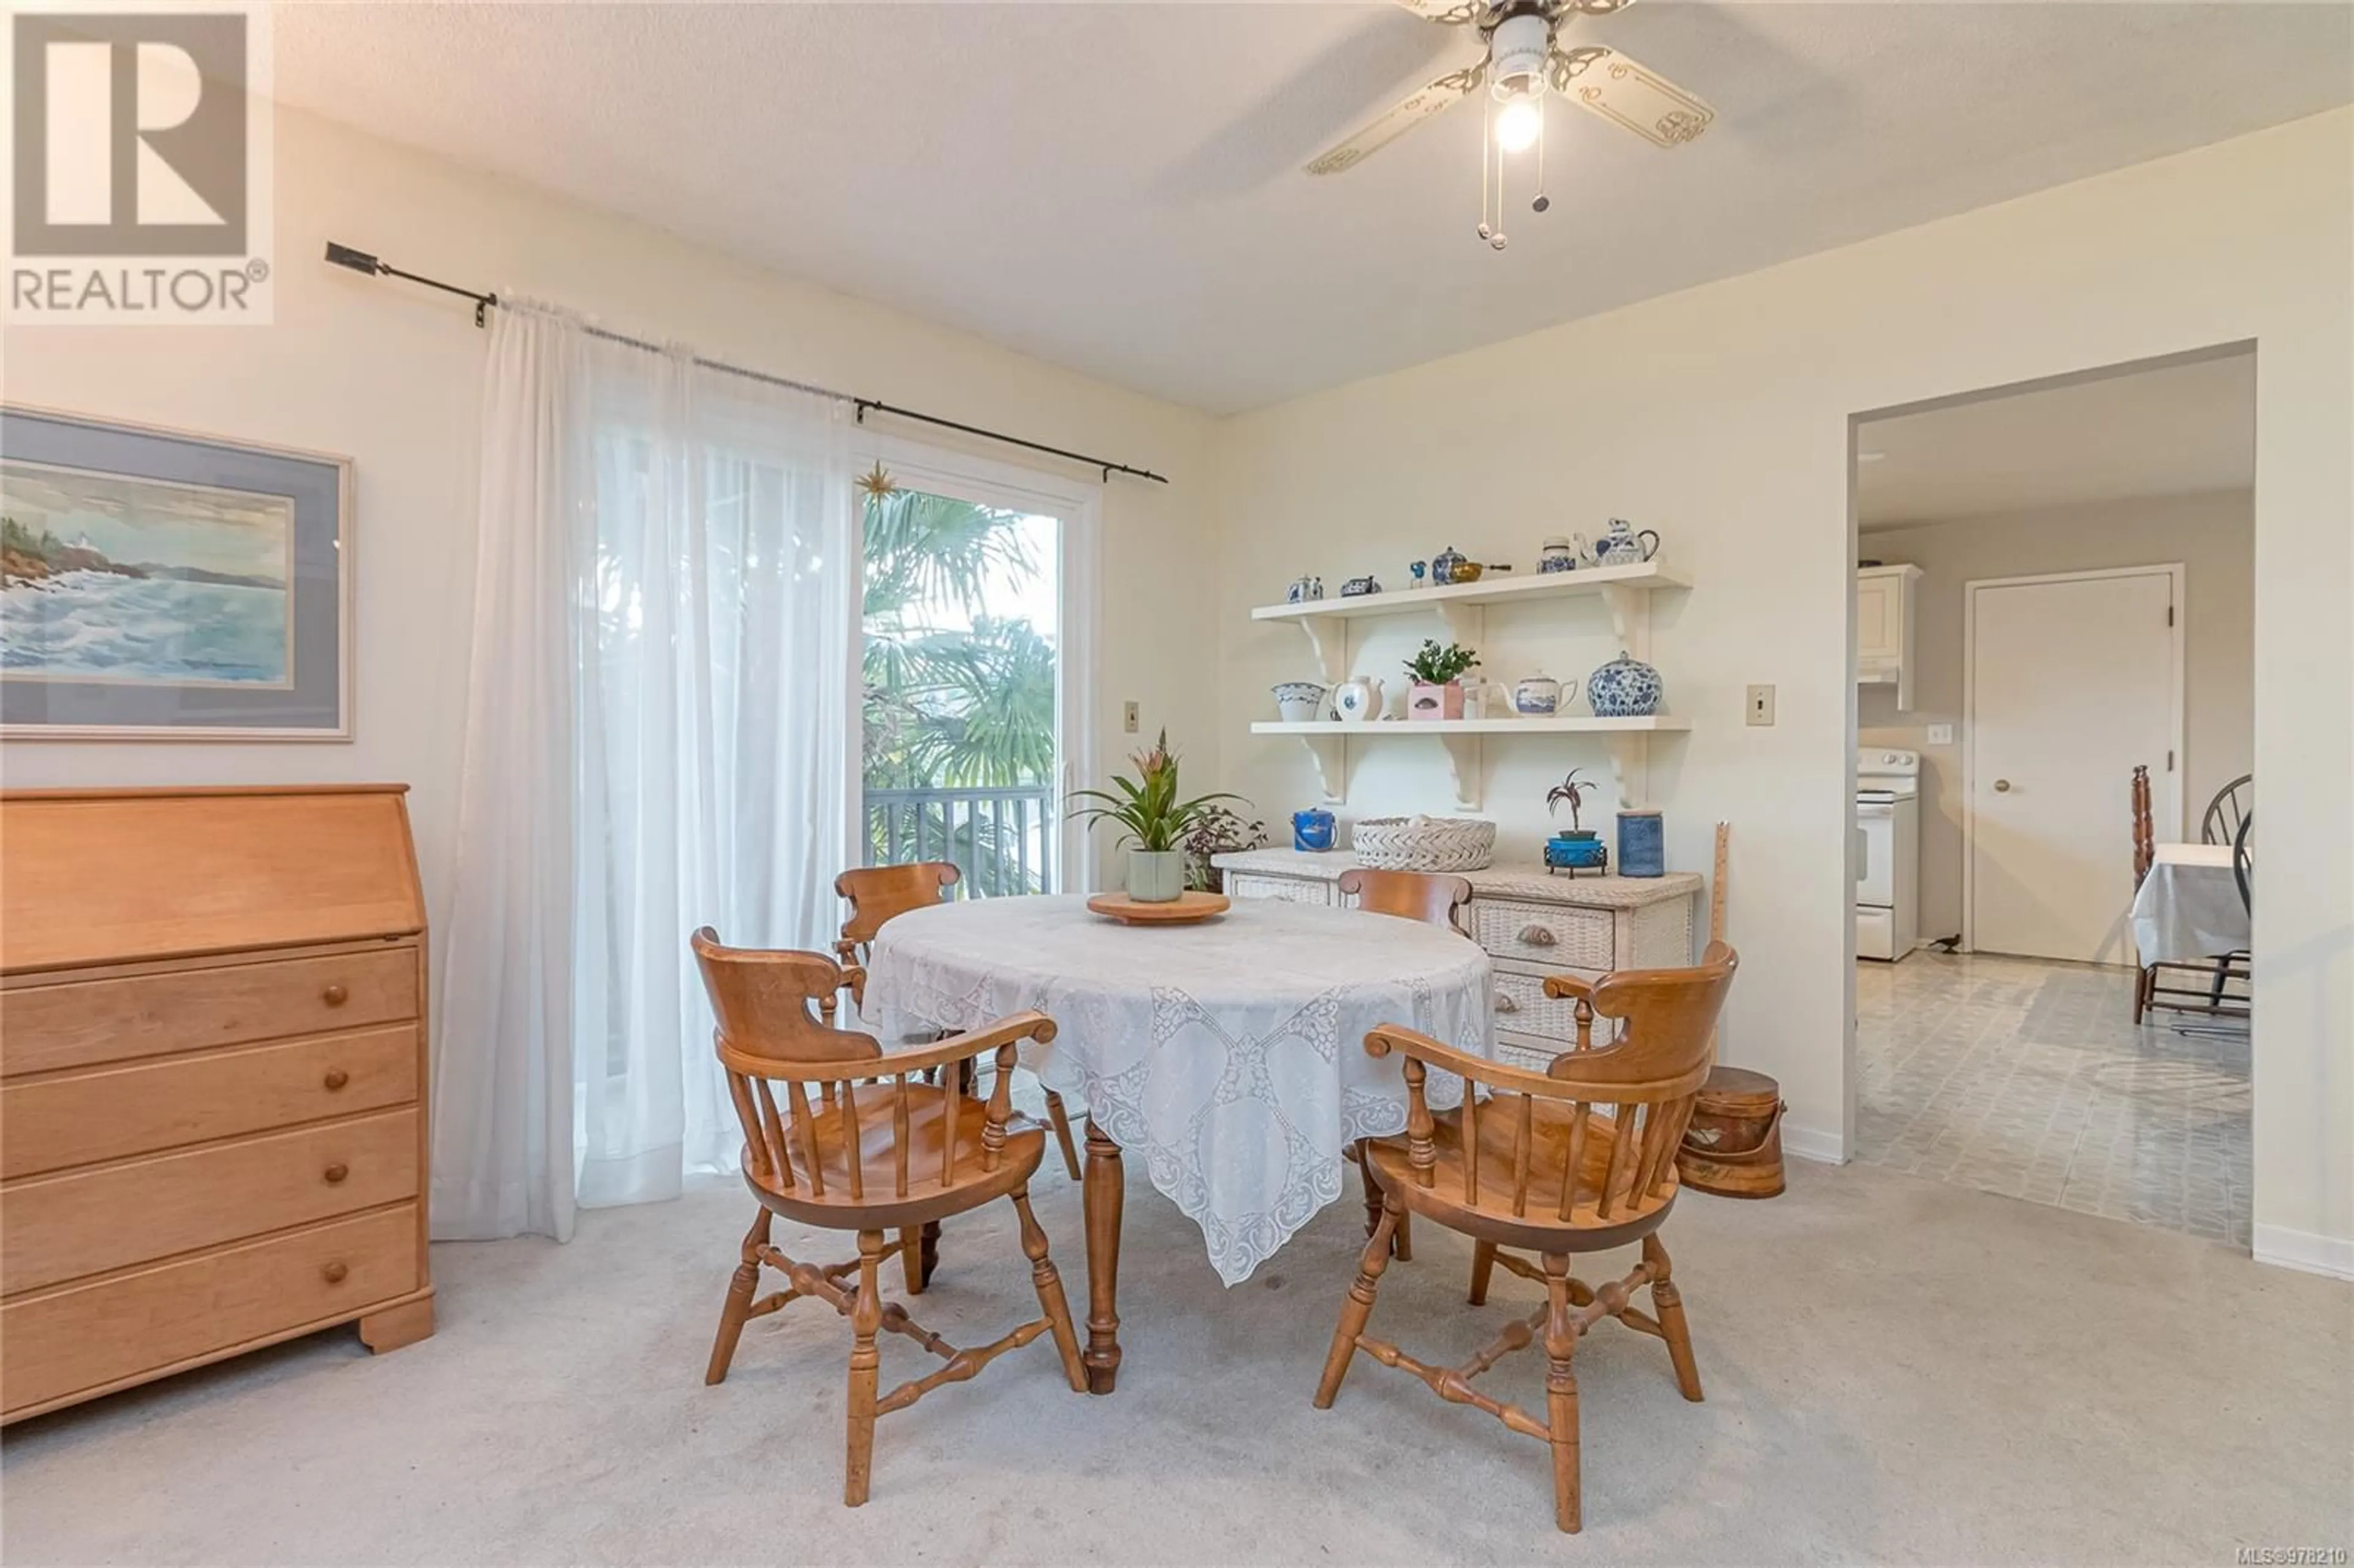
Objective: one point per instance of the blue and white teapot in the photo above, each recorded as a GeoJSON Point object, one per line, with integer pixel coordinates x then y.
{"type": "Point", "coordinates": [1624, 545]}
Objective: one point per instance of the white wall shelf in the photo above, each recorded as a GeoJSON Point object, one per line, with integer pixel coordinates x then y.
{"type": "Point", "coordinates": [1627, 590]}
{"type": "Point", "coordinates": [1327, 741]}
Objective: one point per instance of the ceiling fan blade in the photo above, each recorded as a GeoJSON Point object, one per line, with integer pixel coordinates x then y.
{"type": "Point", "coordinates": [1628, 94]}
{"type": "Point", "coordinates": [1453, 13]}
{"type": "Point", "coordinates": [1590, 7]}
{"type": "Point", "coordinates": [1401, 118]}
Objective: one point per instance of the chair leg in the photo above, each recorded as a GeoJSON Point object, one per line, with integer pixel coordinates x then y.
{"type": "Point", "coordinates": [911, 1259]}
{"type": "Point", "coordinates": [1402, 1240]}
{"type": "Point", "coordinates": [1561, 1394]}
{"type": "Point", "coordinates": [1062, 1120]}
{"type": "Point", "coordinates": [1669, 1303]}
{"type": "Point", "coordinates": [738, 1306]}
{"type": "Point", "coordinates": [2142, 984]}
{"type": "Point", "coordinates": [1483, 1263]}
{"type": "Point", "coordinates": [1049, 1285]}
{"type": "Point", "coordinates": [2215, 987]}
{"type": "Point", "coordinates": [1359, 1305]}
{"type": "Point", "coordinates": [866, 1361]}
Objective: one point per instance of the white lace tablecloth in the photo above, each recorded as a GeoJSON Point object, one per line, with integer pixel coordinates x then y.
{"type": "Point", "coordinates": [1228, 1057]}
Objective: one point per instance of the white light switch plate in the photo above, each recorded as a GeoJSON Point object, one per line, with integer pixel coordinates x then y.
{"type": "Point", "coordinates": [1127, 716]}
{"type": "Point", "coordinates": [1941, 735]}
{"type": "Point", "coordinates": [1761, 704]}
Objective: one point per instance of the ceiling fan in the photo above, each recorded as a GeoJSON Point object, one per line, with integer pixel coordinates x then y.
{"type": "Point", "coordinates": [1524, 59]}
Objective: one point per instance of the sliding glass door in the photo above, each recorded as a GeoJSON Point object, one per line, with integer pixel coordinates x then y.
{"type": "Point", "coordinates": [965, 673]}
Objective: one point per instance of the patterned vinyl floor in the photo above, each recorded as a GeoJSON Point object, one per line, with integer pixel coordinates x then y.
{"type": "Point", "coordinates": [2029, 1079]}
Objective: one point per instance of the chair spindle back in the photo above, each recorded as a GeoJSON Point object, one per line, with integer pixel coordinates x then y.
{"type": "Point", "coordinates": [878, 893]}
{"type": "Point", "coordinates": [2144, 842]}
{"type": "Point", "coordinates": [775, 1011]}
{"type": "Point", "coordinates": [1411, 894]}
{"type": "Point", "coordinates": [1636, 1092]}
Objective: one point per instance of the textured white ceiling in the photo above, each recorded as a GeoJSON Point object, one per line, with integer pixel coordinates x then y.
{"type": "Point", "coordinates": [2175, 431]}
{"type": "Point", "coordinates": [1116, 187]}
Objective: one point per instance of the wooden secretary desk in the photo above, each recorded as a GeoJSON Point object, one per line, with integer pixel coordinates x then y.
{"type": "Point", "coordinates": [213, 1053]}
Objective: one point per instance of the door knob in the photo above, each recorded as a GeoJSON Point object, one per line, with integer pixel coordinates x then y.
{"type": "Point", "coordinates": [2002, 786]}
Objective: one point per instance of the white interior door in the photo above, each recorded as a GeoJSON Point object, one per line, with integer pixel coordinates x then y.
{"type": "Point", "coordinates": [2073, 681]}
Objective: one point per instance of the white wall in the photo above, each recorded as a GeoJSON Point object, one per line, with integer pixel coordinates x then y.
{"type": "Point", "coordinates": [390, 375]}
{"type": "Point", "coordinates": [2213, 536]}
{"type": "Point", "coordinates": [1721, 416]}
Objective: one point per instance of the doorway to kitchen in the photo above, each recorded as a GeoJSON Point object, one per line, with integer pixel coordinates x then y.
{"type": "Point", "coordinates": [2055, 589]}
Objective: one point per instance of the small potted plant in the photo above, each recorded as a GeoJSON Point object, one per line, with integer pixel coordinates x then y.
{"type": "Point", "coordinates": [1155, 823]}
{"type": "Point", "coordinates": [1438, 674]}
{"type": "Point", "coordinates": [1581, 848]}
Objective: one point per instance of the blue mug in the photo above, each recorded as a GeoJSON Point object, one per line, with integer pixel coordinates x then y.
{"type": "Point", "coordinates": [1311, 830]}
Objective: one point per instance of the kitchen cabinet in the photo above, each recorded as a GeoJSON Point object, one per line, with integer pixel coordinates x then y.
{"type": "Point", "coordinates": [1885, 603]}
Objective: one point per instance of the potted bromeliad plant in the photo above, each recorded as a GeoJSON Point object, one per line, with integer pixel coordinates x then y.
{"type": "Point", "coordinates": [1154, 822]}
{"type": "Point", "coordinates": [1439, 680]}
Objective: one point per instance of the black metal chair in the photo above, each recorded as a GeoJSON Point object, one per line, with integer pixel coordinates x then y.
{"type": "Point", "coordinates": [2232, 806]}
{"type": "Point", "coordinates": [2244, 860]}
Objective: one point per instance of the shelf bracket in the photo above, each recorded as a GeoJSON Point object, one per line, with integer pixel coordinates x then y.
{"type": "Point", "coordinates": [1464, 758]}
{"type": "Point", "coordinates": [1465, 622]}
{"type": "Point", "coordinates": [1328, 640]}
{"type": "Point", "coordinates": [1630, 758]}
{"type": "Point", "coordinates": [1330, 753]}
{"type": "Point", "coordinates": [1630, 618]}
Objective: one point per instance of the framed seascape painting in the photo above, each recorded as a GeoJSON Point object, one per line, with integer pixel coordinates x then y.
{"type": "Point", "coordinates": [160, 586]}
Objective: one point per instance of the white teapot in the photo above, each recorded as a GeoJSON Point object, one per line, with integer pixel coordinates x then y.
{"type": "Point", "coordinates": [1359, 700]}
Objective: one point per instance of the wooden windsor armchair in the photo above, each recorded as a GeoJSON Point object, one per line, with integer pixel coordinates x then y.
{"type": "Point", "coordinates": [1435, 900]}
{"type": "Point", "coordinates": [879, 892]}
{"type": "Point", "coordinates": [1581, 1158]}
{"type": "Point", "coordinates": [896, 1159]}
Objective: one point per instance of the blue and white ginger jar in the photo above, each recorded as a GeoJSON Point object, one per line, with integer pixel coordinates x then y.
{"type": "Point", "coordinates": [1624, 688]}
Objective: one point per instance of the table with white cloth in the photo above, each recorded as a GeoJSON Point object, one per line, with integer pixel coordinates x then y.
{"type": "Point", "coordinates": [1228, 1055]}
{"type": "Point", "coordinates": [2188, 909]}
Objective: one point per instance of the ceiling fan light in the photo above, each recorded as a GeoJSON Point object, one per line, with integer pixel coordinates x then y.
{"type": "Point", "coordinates": [1518, 125]}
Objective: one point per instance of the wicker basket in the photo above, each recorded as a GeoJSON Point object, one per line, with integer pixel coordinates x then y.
{"type": "Point", "coordinates": [1424, 843]}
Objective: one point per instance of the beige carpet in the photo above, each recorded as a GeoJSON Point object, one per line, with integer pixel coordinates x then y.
{"type": "Point", "coordinates": [1896, 1371]}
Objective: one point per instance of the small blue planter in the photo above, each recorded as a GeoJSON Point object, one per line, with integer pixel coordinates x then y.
{"type": "Point", "coordinates": [1642, 844]}
{"type": "Point", "coordinates": [1576, 851]}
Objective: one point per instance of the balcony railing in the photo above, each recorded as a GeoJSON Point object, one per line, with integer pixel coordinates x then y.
{"type": "Point", "coordinates": [1003, 840]}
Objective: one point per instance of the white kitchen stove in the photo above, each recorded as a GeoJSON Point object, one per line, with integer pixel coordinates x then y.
{"type": "Point", "coordinates": [1887, 852]}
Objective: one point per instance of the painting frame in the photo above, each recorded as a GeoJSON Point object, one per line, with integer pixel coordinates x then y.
{"type": "Point", "coordinates": [313, 701]}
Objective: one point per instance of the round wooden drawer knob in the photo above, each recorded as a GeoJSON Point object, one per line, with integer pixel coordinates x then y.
{"type": "Point", "coordinates": [334, 1273]}
{"type": "Point", "coordinates": [336, 1078]}
{"type": "Point", "coordinates": [336, 1173]}
{"type": "Point", "coordinates": [334, 996]}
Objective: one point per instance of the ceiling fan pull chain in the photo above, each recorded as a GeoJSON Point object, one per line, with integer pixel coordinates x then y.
{"type": "Point", "coordinates": [1542, 201]}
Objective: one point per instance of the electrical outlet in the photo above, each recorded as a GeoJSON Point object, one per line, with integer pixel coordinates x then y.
{"type": "Point", "coordinates": [1129, 719]}
{"type": "Point", "coordinates": [1761, 704]}
{"type": "Point", "coordinates": [1941, 735]}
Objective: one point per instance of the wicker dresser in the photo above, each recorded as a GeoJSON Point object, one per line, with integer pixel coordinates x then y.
{"type": "Point", "coordinates": [212, 1080]}
{"type": "Point", "coordinates": [1531, 924]}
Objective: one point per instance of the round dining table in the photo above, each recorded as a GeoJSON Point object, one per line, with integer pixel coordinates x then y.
{"type": "Point", "coordinates": [1228, 1055]}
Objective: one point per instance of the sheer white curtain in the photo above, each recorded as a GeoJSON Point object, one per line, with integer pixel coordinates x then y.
{"type": "Point", "coordinates": [710, 629]}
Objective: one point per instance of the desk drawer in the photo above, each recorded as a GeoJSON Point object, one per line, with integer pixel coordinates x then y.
{"type": "Point", "coordinates": [1555, 934]}
{"type": "Point", "coordinates": [79, 1025]}
{"type": "Point", "coordinates": [78, 1118]}
{"type": "Point", "coordinates": [1291, 889]}
{"type": "Point", "coordinates": [89, 1335]}
{"type": "Point", "coordinates": [1522, 1007]}
{"type": "Point", "coordinates": [54, 1228]}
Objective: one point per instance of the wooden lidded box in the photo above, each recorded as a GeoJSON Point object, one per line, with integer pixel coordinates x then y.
{"type": "Point", "coordinates": [1732, 1146]}
{"type": "Point", "coordinates": [213, 1053]}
